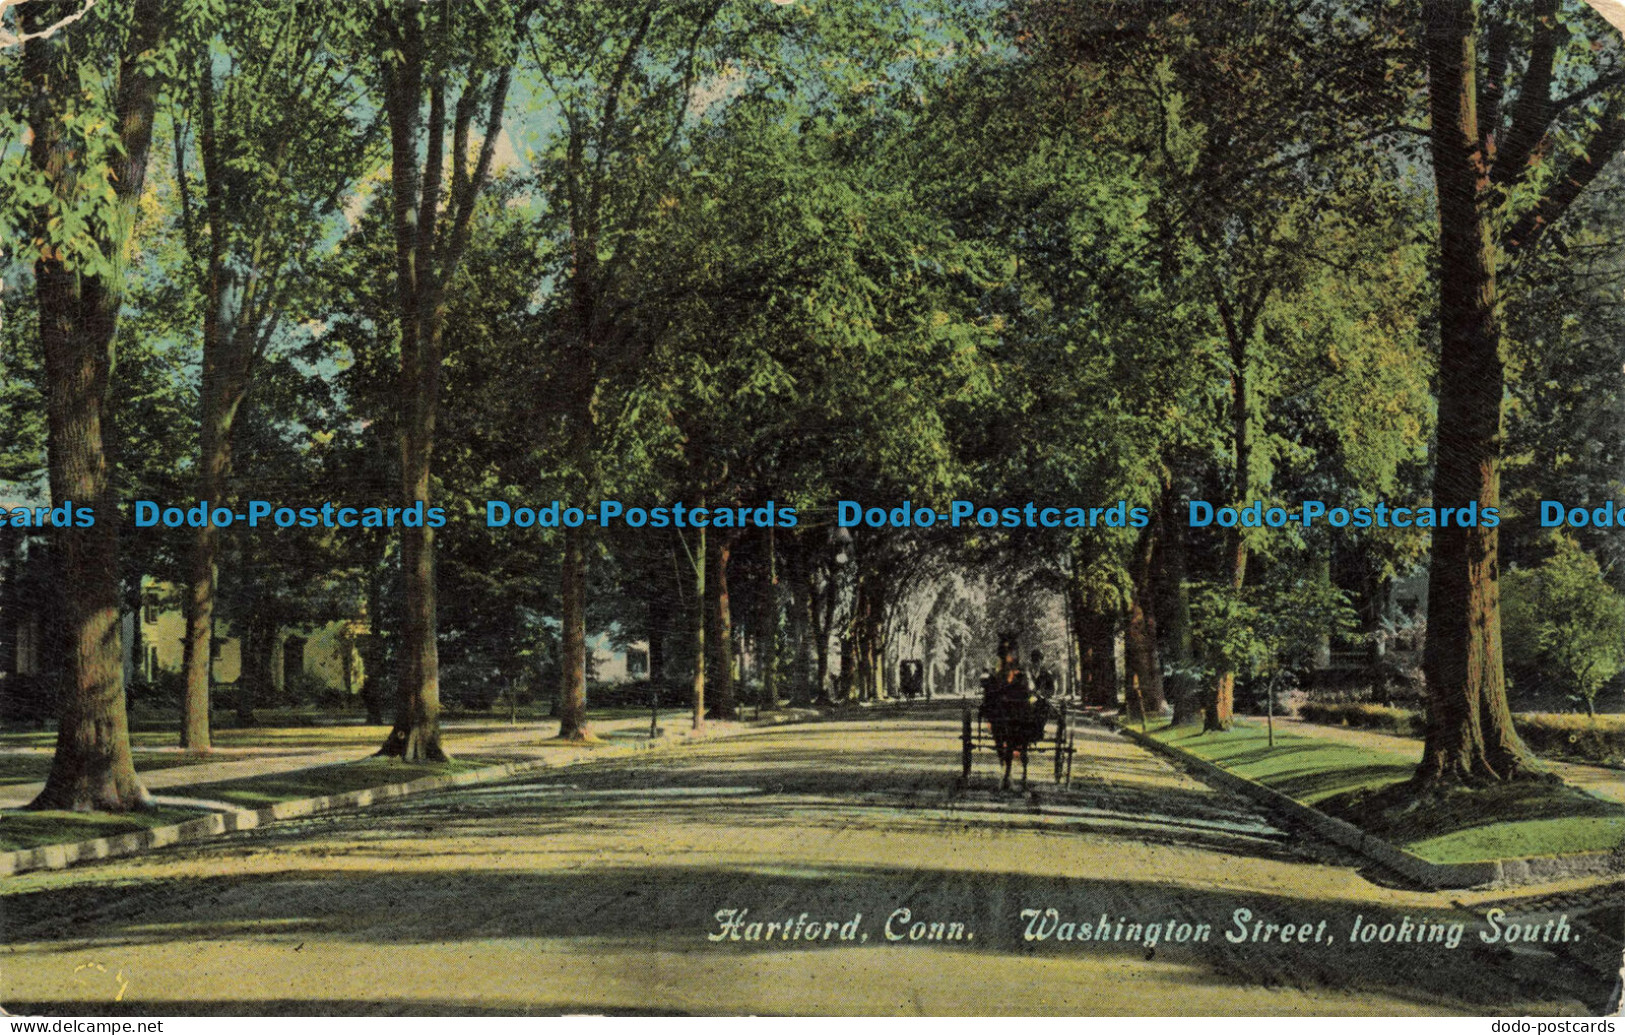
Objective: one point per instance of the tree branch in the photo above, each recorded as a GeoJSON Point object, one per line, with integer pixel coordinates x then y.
{"type": "Point", "coordinates": [433, 171]}
{"type": "Point", "coordinates": [1600, 150]}
{"type": "Point", "coordinates": [461, 226]}
{"type": "Point", "coordinates": [10, 39]}
{"type": "Point", "coordinates": [1533, 111]}
{"type": "Point", "coordinates": [612, 104]}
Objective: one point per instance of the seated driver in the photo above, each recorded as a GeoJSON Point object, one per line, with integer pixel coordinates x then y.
{"type": "Point", "coordinates": [1011, 684]}
{"type": "Point", "coordinates": [1043, 678]}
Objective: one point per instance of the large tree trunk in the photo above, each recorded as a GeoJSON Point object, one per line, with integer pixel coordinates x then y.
{"type": "Point", "coordinates": [767, 635]}
{"type": "Point", "coordinates": [232, 340]}
{"type": "Point", "coordinates": [1470, 737]}
{"type": "Point", "coordinates": [415, 735]}
{"type": "Point", "coordinates": [583, 447]}
{"type": "Point", "coordinates": [92, 768]}
{"type": "Point", "coordinates": [1238, 329]}
{"type": "Point", "coordinates": [573, 662]}
{"type": "Point", "coordinates": [1144, 666]}
{"type": "Point", "coordinates": [429, 246]}
{"type": "Point", "coordinates": [720, 638]}
{"type": "Point", "coordinates": [698, 560]}
{"type": "Point", "coordinates": [224, 381]}
{"type": "Point", "coordinates": [197, 653]}
{"type": "Point", "coordinates": [196, 670]}
{"type": "Point", "coordinates": [1174, 612]}
{"type": "Point", "coordinates": [417, 716]}
{"type": "Point", "coordinates": [78, 316]}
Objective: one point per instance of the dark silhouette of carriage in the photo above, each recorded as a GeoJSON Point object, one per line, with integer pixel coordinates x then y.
{"type": "Point", "coordinates": [911, 678]}
{"type": "Point", "coordinates": [1009, 733]}
{"type": "Point", "coordinates": [1014, 719]}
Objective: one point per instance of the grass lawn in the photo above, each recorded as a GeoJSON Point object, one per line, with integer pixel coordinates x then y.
{"type": "Point", "coordinates": [29, 768]}
{"type": "Point", "coordinates": [32, 829]}
{"type": "Point", "coordinates": [22, 829]}
{"type": "Point", "coordinates": [1300, 765]}
{"type": "Point", "coordinates": [35, 766]}
{"type": "Point", "coordinates": [291, 738]}
{"type": "Point", "coordinates": [306, 736]}
{"type": "Point", "coordinates": [258, 791]}
{"type": "Point", "coordinates": [1365, 786]}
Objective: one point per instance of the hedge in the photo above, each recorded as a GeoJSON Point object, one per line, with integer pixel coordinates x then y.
{"type": "Point", "coordinates": [1403, 721]}
{"type": "Point", "coordinates": [1567, 735]}
{"type": "Point", "coordinates": [1556, 735]}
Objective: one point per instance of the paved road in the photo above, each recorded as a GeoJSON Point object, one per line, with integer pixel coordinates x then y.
{"type": "Point", "coordinates": [598, 889]}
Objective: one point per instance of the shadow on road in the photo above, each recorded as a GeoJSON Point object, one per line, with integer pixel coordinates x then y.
{"type": "Point", "coordinates": [672, 908]}
{"type": "Point", "coordinates": [626, 864]}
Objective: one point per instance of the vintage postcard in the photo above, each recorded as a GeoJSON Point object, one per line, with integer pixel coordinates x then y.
{"type": "Point", "coordinates": [812, 507]}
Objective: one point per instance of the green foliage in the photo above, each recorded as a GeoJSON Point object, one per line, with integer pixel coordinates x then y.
{"type": "Point", "coordinates": [22, 400]}
{"type": "Point", "coordinates": [1270, 628]}
{"type": "Point", "coordinates": [72, 217]}
{"type": "Point", "coordinates": [1563, 616]}
{"type": "Point", "coordinates": [1565, 433]}
{"type": "Point", "coordinates": [268, 132]}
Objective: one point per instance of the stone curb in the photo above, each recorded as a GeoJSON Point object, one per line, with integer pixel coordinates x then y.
{"type": "Point", "coordinates": [61, 856]}
{"type": "Point", "coordinates": [1497, 872]}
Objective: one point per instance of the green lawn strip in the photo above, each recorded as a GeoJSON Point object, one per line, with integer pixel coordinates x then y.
{"type": "Point", "coordinates": [1527, 838]}
{"type": "Point", "coordinates": [1300, 765]}
{"type": "Point", "coordinates": [23, 829]}
{"type": "Point", "coordinates": [30, 768]}
{"type": "Point", "coordinates": [32, 829]}
{"type": "Point", "coordinates": [308, 736]}
{"type": "Point", "coordinates": [1507, 821]}
{"type": "Point", "coordinates": [1366, 787]}
{"type": "Point", "coordinates": [34, 767]}
{"type": "Point", "coordinates": [254, 792]}
{"type": "Point", "coordinates": [291, 738]}
{"type": "Point", "coordinates": [313, 738]}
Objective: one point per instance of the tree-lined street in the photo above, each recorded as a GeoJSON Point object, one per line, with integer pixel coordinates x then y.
{"type": "Point", "coordinates": [393, 389]}
{"type": "Point", "coordinates": [595, 890]}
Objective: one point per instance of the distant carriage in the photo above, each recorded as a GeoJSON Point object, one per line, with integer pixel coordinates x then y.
{"type": "Point", "coordinates": [911, 678]}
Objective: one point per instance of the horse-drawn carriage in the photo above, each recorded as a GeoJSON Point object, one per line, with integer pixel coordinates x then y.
{"type": "Point", "coordinates": [1013, 720]}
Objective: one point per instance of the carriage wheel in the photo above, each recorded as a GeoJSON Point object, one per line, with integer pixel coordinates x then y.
{"type": "Point", "coordinates": [965, 740]}
{"type": "Point", "coordinates": [1060, 742]}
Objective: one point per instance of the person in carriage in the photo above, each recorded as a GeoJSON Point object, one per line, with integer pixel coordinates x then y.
{"type": "Point", "coordinates": [1043, 679]}
{"type": "Point", "coordinates": [1015, 713]}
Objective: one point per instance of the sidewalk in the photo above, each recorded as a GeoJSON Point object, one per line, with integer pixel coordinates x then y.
{"type": "Point", "coordinates": [1598, 781]}
{"type": "Point", "coordinates": [507, 743]}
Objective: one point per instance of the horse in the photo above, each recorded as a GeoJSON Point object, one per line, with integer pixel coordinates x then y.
{"type": "Point", "coordinates": [1017, 718]}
